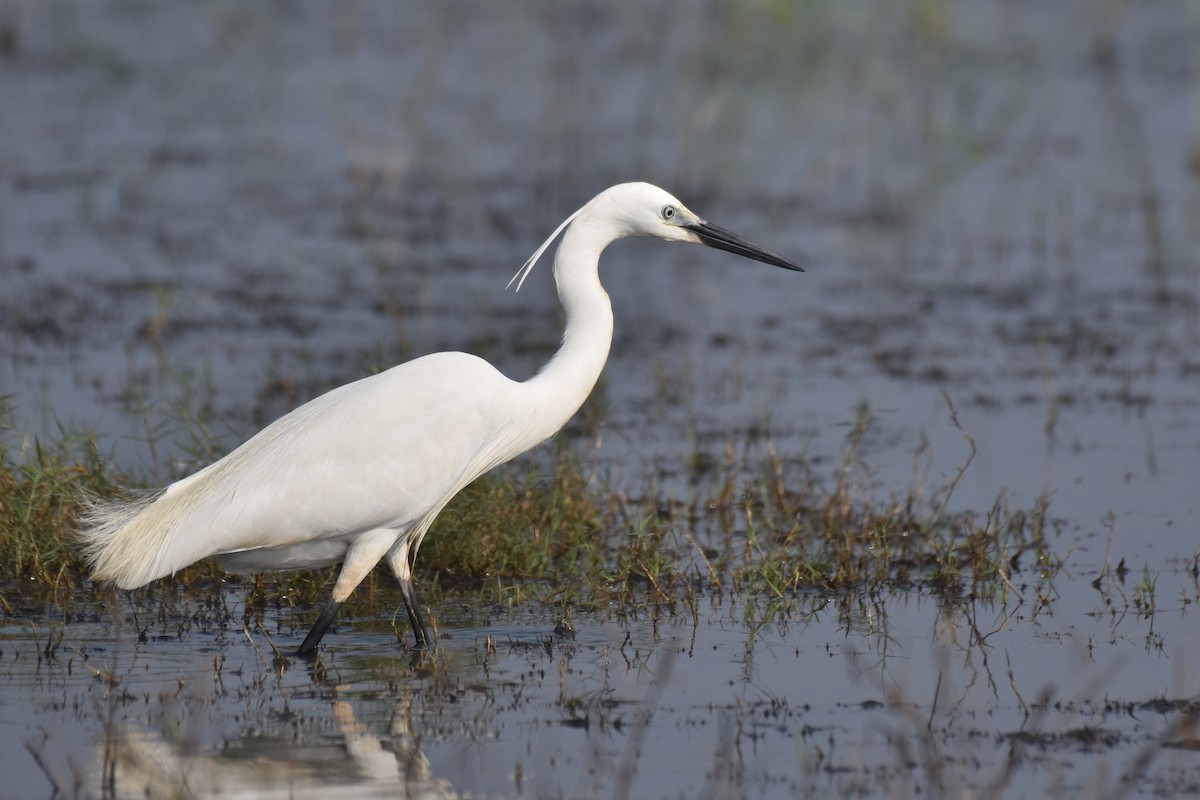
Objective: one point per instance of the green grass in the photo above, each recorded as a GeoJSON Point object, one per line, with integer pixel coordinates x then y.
{"type": "Point", "coordinates": [755, 522]}
{"type": "Point", "coordinates": [40, 487]}
{"type": "Point", "coordinates": [544, 522]}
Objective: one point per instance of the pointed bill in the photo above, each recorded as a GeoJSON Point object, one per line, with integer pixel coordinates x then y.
{"type": "Point", "coordinates": [722, 239]}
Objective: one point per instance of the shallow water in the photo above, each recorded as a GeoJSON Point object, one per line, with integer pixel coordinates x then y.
{"type": "Point", "coordinates": [885, 695]}
{"type": "Point", "coordinates": [213, 212]}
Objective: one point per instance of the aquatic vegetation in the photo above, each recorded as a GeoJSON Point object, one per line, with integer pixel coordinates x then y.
{"type": "Point", "coordinates": [757, 523]}
{"type": "Point", "coordinates": [40, 487]}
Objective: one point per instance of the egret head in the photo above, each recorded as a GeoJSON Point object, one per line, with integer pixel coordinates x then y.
{"type": "Point", "coordinates": [642, 209]}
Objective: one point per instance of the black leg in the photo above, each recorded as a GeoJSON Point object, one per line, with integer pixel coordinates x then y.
{"type": "Point", "coordinates": [318, 630]}
{"type": "Point", "coordinates": [416, 616]}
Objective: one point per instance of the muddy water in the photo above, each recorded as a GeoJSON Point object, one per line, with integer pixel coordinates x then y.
{"type": "Point", "coordinates": [209, 212]}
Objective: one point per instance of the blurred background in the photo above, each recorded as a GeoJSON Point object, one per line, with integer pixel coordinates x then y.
{"type": "Point", "coordinates": [211, 211]}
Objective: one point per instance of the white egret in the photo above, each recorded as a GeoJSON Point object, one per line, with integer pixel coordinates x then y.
{"type": "Point", "coordinates": [359, 474]}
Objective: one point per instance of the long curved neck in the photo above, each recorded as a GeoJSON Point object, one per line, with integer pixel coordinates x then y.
{"type": "Point", "coordinates": [563, 385]}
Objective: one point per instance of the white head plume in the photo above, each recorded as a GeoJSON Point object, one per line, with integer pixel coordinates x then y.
{"type": "Point", "coordinates": [527, 267]}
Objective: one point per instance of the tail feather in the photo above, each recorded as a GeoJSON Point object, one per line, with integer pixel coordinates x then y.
{"type": "Point", "coordinates": [124, 540]}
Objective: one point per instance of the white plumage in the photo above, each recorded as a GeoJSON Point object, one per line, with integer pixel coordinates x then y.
{"type": "Point", "coordinates": [360, 473]}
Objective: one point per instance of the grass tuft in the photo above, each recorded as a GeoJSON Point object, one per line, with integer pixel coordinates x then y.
{"type": "Point", "coordinates": [542, 523]}
{"type": "Point", "coordinates": [40, 491]}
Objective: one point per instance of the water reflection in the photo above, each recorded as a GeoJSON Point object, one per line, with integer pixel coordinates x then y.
{"type": "Point", "coordinates": [356, 762]}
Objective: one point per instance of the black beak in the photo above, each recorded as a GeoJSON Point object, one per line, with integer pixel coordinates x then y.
{"type": "Point", "coordinates": [722, 239]}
